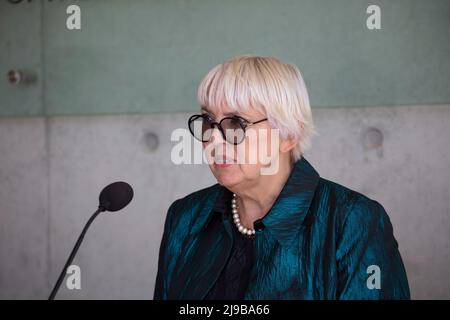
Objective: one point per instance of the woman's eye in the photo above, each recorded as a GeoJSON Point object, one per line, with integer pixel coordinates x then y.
{"type": "Point", "coordinates": [238, 121]}
{"type": "Point", "coordinates": [207, 118]}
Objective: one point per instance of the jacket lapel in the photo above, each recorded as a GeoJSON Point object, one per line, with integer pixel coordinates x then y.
{"type": "Point", "coordinates": [213, 244]}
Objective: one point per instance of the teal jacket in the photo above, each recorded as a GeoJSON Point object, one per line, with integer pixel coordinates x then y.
{"type": "Point", "coordinates": [320, 240]}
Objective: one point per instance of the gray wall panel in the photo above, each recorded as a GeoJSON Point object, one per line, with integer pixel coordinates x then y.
{"type": "Point", "coordinates": [151, 55]}
{"type": "Point", "coordinates": [23, 209]}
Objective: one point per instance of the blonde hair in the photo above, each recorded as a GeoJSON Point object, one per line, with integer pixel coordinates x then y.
{"type": "Point", "coordinates": [267, 85]}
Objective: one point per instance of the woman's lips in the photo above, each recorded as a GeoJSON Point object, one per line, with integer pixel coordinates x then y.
{"type": "Point", "coordinates": [223, 163]}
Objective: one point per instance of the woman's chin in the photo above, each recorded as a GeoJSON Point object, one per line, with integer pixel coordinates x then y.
{"type": "Point", "coordinates": [226, 178]}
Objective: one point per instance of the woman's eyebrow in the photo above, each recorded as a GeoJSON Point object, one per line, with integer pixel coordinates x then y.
{"type": "Point", "coordinates": [226, 114]}
{"type": "Point", "coordinates": [203, 108]}
{"type": "Point", "coordinates": [230, 114]}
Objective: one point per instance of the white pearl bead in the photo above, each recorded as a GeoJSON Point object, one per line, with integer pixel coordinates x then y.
{"type": "Point", "coordinates": [237, 220]}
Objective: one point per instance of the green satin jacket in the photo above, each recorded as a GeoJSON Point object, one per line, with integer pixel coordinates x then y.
{"type": "Point", "coordinates": [320, 240]}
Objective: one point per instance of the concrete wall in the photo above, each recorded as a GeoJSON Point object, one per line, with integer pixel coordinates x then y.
{"type": "Point", "coordinates": [52, 169]}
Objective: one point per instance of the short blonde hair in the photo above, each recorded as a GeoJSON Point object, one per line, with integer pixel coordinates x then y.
{"type": "Point", "coordinates": [267, 85]}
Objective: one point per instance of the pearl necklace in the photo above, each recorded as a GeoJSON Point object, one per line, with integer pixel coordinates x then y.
{"type": "Point", "coordinates": [237, 220]}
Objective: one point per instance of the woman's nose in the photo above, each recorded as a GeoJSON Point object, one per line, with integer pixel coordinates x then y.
{"type": "Point", "coordinates": [216, 136]}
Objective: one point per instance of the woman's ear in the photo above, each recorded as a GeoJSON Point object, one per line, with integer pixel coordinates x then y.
{"type": "Point", "coordinates": [288, 144]}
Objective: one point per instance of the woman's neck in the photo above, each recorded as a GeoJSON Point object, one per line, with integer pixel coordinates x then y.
{"type": "Point", "coordinates": [254, 203]}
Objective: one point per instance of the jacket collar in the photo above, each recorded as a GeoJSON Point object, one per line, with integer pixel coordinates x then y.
{"type": "Point", "coordinates": [287, 214]}
{"type": "Point", "coordinates": [283, 221]}
{"type": "Point", "coordinates": [289, 210]}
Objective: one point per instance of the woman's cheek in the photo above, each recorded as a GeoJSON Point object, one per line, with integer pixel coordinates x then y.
{"type": "Point", "coordinates": [241, 156]}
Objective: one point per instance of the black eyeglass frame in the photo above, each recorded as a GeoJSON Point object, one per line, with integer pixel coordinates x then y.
{"type": "Point", "coordinates": [243, 123]}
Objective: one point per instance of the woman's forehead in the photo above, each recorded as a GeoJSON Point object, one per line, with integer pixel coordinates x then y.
{"type": "Point", "coordinates": [227, 111]}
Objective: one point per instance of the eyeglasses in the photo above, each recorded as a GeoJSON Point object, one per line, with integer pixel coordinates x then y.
{"type": "Point", "coordinates": [232, 128]}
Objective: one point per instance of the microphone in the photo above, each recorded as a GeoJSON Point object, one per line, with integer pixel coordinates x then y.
{"type": "Point", "coordinates": [113, 197]}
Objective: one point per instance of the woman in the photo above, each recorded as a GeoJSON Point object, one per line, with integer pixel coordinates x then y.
{"type": "Point", "coordinates": [271, 228]}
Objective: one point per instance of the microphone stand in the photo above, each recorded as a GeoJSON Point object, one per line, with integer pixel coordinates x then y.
{"type": "Point", "coordinates": [74, 252]}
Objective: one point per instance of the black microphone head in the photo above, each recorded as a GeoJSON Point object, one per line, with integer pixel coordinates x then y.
{"type": "Point", "coordinates": [115, 196]}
